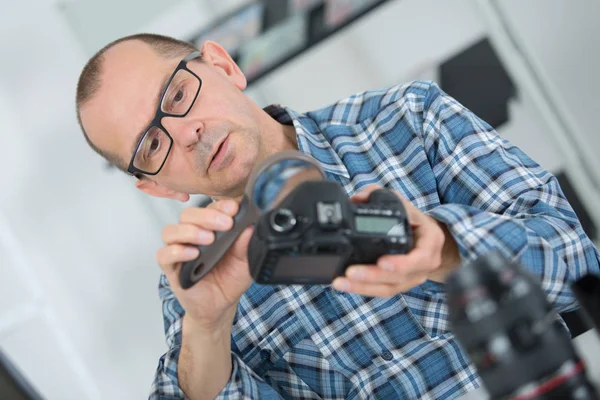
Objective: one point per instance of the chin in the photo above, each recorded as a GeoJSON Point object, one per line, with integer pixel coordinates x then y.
{"type": "Point", "coordinates": [239, 172]}
{"type": "Point", "coordinates": [234, 177]}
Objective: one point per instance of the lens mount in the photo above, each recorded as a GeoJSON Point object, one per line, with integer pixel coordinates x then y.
{"type": "Point", "coordinates": [282, 220]}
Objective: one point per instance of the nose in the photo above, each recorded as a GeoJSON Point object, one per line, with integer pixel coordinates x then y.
{"type": "Point", "coordinates": [186, 132]}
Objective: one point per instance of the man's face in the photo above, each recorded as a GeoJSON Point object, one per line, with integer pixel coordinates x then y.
{"type": "Point", "coordinates": [215, 146]}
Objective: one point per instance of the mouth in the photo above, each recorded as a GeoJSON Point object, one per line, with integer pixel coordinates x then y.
{"type": "Point", "coordinates": [219, 153]}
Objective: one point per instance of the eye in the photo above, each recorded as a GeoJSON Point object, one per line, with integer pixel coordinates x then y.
{"type": "Point", "coordinates": [177, 100]}
{"type": "Point", "coordinates": [178, 96]}
{"type": "Point", "coordinates": [154, 145]}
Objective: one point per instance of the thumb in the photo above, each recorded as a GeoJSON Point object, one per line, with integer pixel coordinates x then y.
{"type": "Point", "coordinates": [239, 250]}
{"type": "Point", "coordinates": [363, 195]}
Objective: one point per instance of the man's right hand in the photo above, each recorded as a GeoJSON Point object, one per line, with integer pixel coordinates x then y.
{"type": "Point", "coordinates": [212, 301]}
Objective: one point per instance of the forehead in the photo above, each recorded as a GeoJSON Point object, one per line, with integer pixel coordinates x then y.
{"type": "Point", "coordinates": [132, 76]}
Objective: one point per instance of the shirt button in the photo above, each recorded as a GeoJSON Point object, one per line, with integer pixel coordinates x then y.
{"type": "Point", "coordinates": [387, 355]}
{"type": "Point", "coordinates": [265, 354]}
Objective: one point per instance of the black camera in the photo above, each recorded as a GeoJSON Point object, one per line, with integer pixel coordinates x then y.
{"type": "Point", "coordinates": [307, 231]}
{"type": "Point", "coordinates": [501, 317]}
{"type": "Point", "coordinates": [315, 232]}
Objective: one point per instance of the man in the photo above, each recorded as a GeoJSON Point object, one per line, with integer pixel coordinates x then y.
{"type": "Point", "coordinates": [382, 330]}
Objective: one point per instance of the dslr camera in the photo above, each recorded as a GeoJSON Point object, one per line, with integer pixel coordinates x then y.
{"type": "Point", "coordinates": [307, 231]}
{"type": "Point", "coordinates": [315, 232]}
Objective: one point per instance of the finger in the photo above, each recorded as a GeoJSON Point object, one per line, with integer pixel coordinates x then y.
{"type": "Point", "coordinates": [416, 262]}
{"type": "Point", "coordinates": [187, 233]}
{"type": "Point", "coordinates": [374, 275]}
{"type": "Point", "coordinates": [364, 193]}
{"type": "Point", "coordinates": [425, 256]}
{"type": "Point", "coordinates": [169, 257]}
{"type": "Point", "coordinates": [416, 217]}
{"type": "Point", "coordinates": [374, 289]}
{"type": "Point", "coordinates": [207, 218]}
{"type": "Point", "coordinates": [239, 249]}
{"type": "Point", "coordinates": [229, 207]}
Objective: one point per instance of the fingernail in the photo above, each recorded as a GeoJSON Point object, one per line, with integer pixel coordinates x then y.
{"type": "Point", "coordinates": [204, 236]}
{"type": "Point", "coordinates": [224, 221]}
{"type": "Point", "coordinates": [229, 206]}
{"type": "Point", "coordinates": [356, 273]}
{"type": "Point", "coordinates": [342, 285]}
{"type": "Point", "coordinates": [386, 265]}
{"type": "Point", "coordinates": [190, 251]}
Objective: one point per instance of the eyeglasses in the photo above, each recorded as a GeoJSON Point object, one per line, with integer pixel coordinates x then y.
{"type": "Point", "coordinates": [176, 101]}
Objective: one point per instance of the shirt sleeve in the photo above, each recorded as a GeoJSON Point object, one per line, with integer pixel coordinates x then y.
{"type": "Point", "coordinates": [243, 384]}
{"type": "Point", "coordinates": [166, 385]}
{"type": "Point", "coordinates": [495, 197]}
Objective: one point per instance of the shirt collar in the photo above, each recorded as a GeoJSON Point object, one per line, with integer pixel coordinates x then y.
{"type": "Point", "coordinates": [311, 139]}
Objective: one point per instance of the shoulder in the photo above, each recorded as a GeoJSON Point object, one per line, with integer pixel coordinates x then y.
{"type": "Point", "coordinates": [412, 96]}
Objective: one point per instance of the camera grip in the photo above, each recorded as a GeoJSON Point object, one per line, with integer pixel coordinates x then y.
{"type": "Point", "coordinates": [194, 270]}
{"type": "Point", "coordinates": [383, 196]}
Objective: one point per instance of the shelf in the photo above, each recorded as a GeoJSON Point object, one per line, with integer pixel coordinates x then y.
{"type": "Point", "coordinates": [264, 35]}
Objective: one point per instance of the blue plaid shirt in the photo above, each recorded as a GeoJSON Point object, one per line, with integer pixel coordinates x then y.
{"type": "Point", "coordinates": [316, 343]}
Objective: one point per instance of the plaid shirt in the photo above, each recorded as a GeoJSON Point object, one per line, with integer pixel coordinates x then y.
{"type": "Point", "coordinates": [317, 343]}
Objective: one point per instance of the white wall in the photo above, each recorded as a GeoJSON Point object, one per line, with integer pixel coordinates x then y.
{"type": "Point", "coordinates": [565, 53]}
{"type": "Point", "coordinates": [30, 331]}
{"type": "Point", "coordinates": [85, 234]}
{"type": "Point", "coordinates": [87, 238]}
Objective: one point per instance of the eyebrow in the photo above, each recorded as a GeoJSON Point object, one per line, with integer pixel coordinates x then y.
{"type": "Point", "coordinates": [161, 89]}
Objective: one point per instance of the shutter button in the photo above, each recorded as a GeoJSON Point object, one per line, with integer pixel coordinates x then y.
{"type": "Point", "coordinates": [387, 355]}
{"type": "Point", "coordinates": [265, 354]}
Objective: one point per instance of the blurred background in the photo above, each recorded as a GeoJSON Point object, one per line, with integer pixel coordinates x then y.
{"type": "Point", "coordinates": [79, 308]}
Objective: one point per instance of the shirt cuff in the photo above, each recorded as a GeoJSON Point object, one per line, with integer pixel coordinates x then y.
{"type": "Point", "coordinates": [477, 232]}
{"type": "Point", "coordinates": [245, 384]}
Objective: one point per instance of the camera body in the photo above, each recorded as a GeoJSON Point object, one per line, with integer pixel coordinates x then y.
{"type": "Point", "coordinates": [315, 232]}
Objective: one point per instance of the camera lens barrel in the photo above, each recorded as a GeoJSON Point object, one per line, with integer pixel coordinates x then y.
{"type": "Point", "coordinates": [502, 319]}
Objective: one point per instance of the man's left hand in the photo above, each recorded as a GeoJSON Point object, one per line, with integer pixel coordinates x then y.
{"type": "Point", "coordinates": [434, 256]}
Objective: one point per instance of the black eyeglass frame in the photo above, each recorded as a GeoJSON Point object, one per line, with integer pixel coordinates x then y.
{"type": "Point", "coordinates": [159, 115]}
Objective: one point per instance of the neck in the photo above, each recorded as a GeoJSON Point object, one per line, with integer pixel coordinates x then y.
{"type": "Point", "coordinates": [284, 138]}
{"type": "Point", "coordinates": [277, 137]}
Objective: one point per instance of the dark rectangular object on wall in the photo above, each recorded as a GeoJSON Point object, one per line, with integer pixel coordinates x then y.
{"type": "Point", "coordinates": [276, 11]}
{"type": "Point", "coordinates": [476, 78]}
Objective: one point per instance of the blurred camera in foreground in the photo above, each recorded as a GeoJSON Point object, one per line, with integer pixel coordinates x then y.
{"type": "Point", "coordinates": [501, 317]}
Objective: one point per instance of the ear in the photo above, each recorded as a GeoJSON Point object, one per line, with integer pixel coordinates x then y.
{"type": "Point", "coordinates": [215, 55]}
{"type": "Point", "coordinates": [157, 190]}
